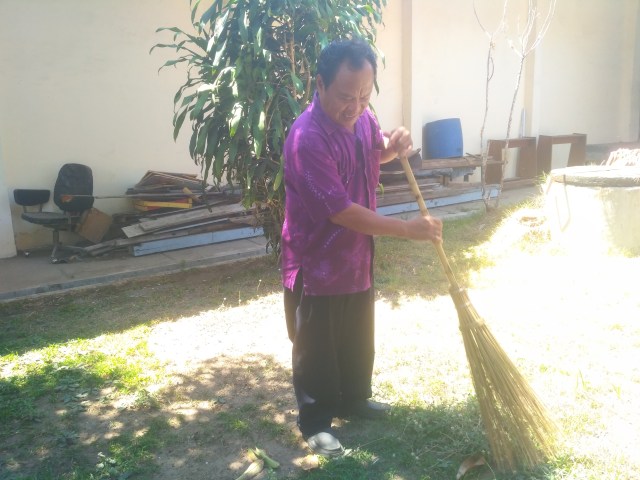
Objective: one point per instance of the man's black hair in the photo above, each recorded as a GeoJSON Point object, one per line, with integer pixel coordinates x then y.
{"type": "Point", "coordinates": [354, 51]}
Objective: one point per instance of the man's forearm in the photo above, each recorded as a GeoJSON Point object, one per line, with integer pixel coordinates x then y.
{"type": "Point", "coordinates": [363, 220]}
{"type": "Point", "coordinates": [388, 155]}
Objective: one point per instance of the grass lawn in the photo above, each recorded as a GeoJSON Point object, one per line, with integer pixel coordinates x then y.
{"type": "Point", "coordinates": [178, 376]}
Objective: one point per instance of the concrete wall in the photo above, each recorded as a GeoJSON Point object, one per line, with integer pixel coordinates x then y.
{"type": "Point", "coordinates": [7, 245]}
{"type": "Point", "coordinates": [588, 78]}
{"type": "Point", "coordinates": [77, 84]}
{"type": "Point", "coordinates": [388, 104]}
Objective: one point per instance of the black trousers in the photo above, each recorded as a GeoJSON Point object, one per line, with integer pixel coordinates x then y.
{"type": "Point", "coordinates": [333, 352]}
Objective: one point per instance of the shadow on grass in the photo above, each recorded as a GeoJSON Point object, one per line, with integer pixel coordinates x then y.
{"type": "Point", "coordinates": [201, 426]}
{"type": "Point", "coordinates": [36, 323]}
{"type": "Point", "coordinates": [402, 268]}
{"type": "Point", "coordinates": [198, 427]}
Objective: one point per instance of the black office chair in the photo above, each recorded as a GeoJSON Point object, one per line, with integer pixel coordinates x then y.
{"type": "Point", "coordinates": [73, 179]}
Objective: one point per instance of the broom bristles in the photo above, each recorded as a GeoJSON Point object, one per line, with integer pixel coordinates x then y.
{"type": "Point", "coordinates": [519, 431]}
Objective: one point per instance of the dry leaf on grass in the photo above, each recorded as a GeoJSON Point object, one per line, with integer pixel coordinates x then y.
{"type": "Point", "coordinates": [307, 463]}
{"type": "Point", "coordinates": [470, 463]}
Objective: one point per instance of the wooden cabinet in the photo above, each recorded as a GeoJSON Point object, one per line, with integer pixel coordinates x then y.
{"type": "Point", "coordinates": [577, 153]}
{"type": "Point", "coordinates": [526, 167]}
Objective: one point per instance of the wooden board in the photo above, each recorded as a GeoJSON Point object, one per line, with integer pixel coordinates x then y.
{"type": "Point", "coordinates": [145, 205]}
{"type": "Point", "coordinates": [181, 218]}
{"type": "Point", "coordinates": [109, 245]}
{"type": "Point", "coordinates": [410, 205]}
{"type": "Point", "coordinates": [454, 192]}
{"type": "Point", "coordinates": [197, 240]}
{"type": "Point", "coordinates": [154, 179]}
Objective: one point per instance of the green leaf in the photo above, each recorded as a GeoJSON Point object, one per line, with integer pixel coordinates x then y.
{"type": "Point", "coordinates": [172, 29]}
{"type": "Point", "coordinates": [193, 10]}
{"type": "Point", "coordinates": [235, 119]}
{"type": "Point", "coordinates": [187, 99]}
{"type": "Point", "coordinates": [210, 44]}
{"type": "Point", "coordinates": [177, 124]}
{"type": "Point", "coordinates": [242, 27]}
{"type": "Point", "coordinates": [277, 136]}
{"type": "Point", "coordinates": [192, 144]}
{"type": "Point", "coordinates": [202, 138]}
{"type": "Point", "coordinates": [212, 143]}
{"type": "Point", "coordinates": [220, 52]}
{"type": "Point", "coordinates": [293, 105]}
{"type": "Point", "coordinates": [259, 38]}
{"type": "Point", "coordinates": [206, 87]}
{"type": "Point", "coordinates": [233, 151]}
{"type": "Point", "coordinates": [219, 25]}
{"type": "Point", "coordinates": [258, 135]}
{"type": "Point", "coordinates": [209, 13]}
{"type": "Point", "coordinates": [278, 180]}
{"type": "Point", "coordinates": [202, 99]}
{"type": "Point", "coordinates": [218, 164]}
{"type": "Point", "coordinates": [297, 82]}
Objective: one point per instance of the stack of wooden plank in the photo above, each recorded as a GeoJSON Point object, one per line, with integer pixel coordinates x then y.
{"type": "Point", "coordinates": [162, 190]}
{"type": "Point", "coordinates": [176, 210]}
{"type": "Point", "coordinates": [434, 180]}
{"type": "Point", "coordinates": [213, 223]}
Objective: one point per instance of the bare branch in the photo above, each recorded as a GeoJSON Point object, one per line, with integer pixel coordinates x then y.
{"type": "Point", "coordinates": [489, 75]}
{"type": "Point", "coordinates": [526, 44]}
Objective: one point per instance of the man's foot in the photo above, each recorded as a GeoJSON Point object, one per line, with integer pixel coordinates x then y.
{"type": "Point", "coordinates": [366, 409]}
{"type": "Point", "coordinates": [325, 444]}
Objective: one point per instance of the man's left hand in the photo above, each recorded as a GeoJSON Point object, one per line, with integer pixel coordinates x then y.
{"type": "Point", "coordinates": [398, 142]}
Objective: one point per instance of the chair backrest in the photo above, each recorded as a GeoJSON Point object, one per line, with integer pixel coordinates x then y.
{"type": "Point", "coordinates": [74, 179]}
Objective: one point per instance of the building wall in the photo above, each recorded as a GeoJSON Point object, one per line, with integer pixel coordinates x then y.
{"type": "Point", "coordinates": [388, 104]}
{"type": "Point", "coordinates": [588, 80]}
{"type": "Point", "coordinates": [7, 245]}
{"type": "Point", "coordinates": [78, 84]}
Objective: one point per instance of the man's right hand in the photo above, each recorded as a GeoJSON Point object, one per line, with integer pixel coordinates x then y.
{"type": "Point", "coordinates": [425, 228]}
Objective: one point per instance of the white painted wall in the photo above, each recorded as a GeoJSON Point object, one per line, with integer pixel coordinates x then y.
{"type": "Point", "coordinates": [77, 84]}
{"type": "Point", "coordinates": [588, 80]}
{"type": "Point", "coordinates": [388, 104]}
{"type": "Point", "coordinates": [7, 245]}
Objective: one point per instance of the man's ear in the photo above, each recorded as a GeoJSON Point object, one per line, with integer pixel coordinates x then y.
{"type": "Point", "coordinates": [319, 83]}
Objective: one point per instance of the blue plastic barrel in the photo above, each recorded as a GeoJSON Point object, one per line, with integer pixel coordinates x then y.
{"type": "Point", "coordinates": [442, 138]}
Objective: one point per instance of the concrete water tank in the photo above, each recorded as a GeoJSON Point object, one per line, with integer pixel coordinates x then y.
{"type": "Point", "coordinates": [594, 209]}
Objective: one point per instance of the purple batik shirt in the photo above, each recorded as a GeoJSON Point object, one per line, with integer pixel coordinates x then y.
{"type": "Point", "coordinates": [323, 175]}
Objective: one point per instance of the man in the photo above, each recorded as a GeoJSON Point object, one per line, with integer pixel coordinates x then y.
{"type": "Point", "coordinates": [332, 165]}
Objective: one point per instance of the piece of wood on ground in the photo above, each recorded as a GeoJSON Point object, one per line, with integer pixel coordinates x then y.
{"type": "Point", "coordinates": [200, 239]}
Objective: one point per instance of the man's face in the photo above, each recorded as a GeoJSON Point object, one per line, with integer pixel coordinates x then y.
{"type": "Point", "coordinates": [348, 95]}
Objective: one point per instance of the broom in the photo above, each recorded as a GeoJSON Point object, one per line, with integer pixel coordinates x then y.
{"type": "Point", "coordinates": [520, 433]}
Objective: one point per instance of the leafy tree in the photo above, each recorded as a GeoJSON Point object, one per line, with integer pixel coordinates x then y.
{"type": "Point", "coordinates": [251, 71]}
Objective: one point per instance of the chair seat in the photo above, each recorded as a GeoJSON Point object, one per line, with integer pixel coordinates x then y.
{"type": "Point", "coordinates": [46, 218]}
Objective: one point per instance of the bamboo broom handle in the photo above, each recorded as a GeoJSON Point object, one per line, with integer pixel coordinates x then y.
{"type": "Point", "coordinates": [425, 211]}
